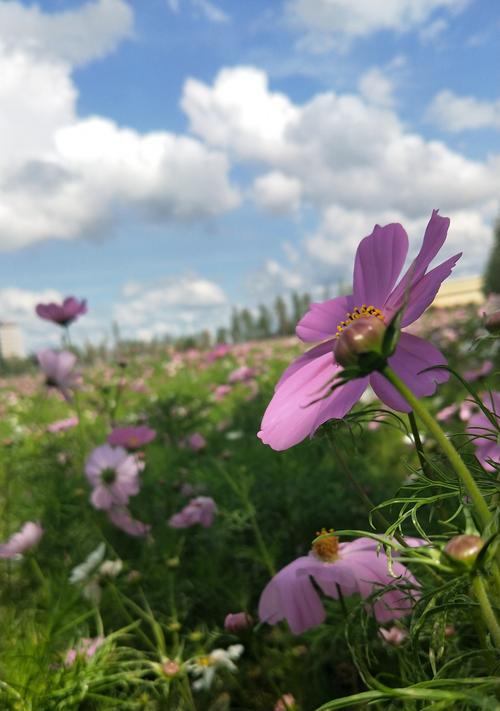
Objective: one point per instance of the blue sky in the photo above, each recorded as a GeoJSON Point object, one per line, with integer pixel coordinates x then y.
{"type": "Point", "coordinates": [169, 158]}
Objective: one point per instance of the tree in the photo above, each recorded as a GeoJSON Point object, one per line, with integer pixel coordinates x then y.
{"type": "Point", "coordinates": [282, 316]}
{"type": "Point", "coordinates": [247, 324]}
{"type": "Point", "coordinates": [264, 322]}
{"type": "Point", "coordinates": [235, 327]}
{"type": "Point", "coordinates": [492, 274]}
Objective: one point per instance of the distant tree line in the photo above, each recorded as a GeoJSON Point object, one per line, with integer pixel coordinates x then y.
{"type": "Point", "coordinates": [492, 273]}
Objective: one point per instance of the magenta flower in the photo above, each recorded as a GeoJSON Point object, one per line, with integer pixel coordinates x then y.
{"type": "Point", "coordinates": [220, 350]}
{"type": "Point", "coordinates": [485, 434]}
{"type": "Point", "coordinates": [113, 475]}
{"type": "Point", "coordinates": [131, 437]}
{"type": "Point", "coordinates": [26, 538]}
{"type": "Point", "coordinates": [201, 509]}
{"type": "Point", "coordinates": [85, 649]}
{"type": "Point", "coordinates": [58, 370]}
{"type": "Point", "coordinates": [237, 621]}
{"type": "Point", "coordinates": [123, 520]}
{"type": "Point", "coordinates": [62, 425]}
{"type": "Point", "coordinates": [303, 401]}
{"type": "Point", "coordinates": [357, 567]}
{"type": "Point", "coordinates": [63, 314]}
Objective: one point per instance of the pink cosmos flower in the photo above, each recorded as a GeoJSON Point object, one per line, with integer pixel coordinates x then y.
{"type": "Point", "coordinates": [355, 567]}
{"type": "Point", "coordinates": [473, 375]}
{"type": "Point", "coordinates": [237, 621]}
{"type": "Point", "coordinates": [58, 370]}
{"type": "Point", "coordinates": [221, 391]}
{"type": "Point", "coordinates": [131, 437]}
{"type": "Point", "coordinates": [241, 375]}
{"type": "Point", "coordinates": [26, 538]}
{"type": "Point", "coordinates": [220, 350]}
{"type": "Point", "coordinates": [113, 474]}
{"type": "Point", "coordinates": [485, 435]}
{"type": "Point", "coordinates": [123, 520]}
{"type": "Point", "coordinates": [85, 649]}
{"type": "Point", "coordinates": [303, 400]}
{"type": "Point", "coordinates": [201, 509]}
{"type": "Point", "coordinates": [195, 442]}
{"type": "Point", "coordinates": [63, 314]}
{"type": "Point", "coordinates": [394, 635]}
{"type": "Point", "coordinates": [62, 425]}
{"type": "Point", "coordinates": [446, 413]}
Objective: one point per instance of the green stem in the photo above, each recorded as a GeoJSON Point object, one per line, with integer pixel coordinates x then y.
{"type": "Point", "coordinates": [418, 443]}
{"type": "Point", "coordinates": [487, 611]}
{"type": "Point", "coordinates": [453, 457]}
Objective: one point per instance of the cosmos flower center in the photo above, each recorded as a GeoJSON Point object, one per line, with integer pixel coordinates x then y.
{"type": "Point", "coordinates": [108, 476]}
{"type": "Point", "coordinates": [326, 546]}
{"type": "Point", "coordinates": [363, 311]}
{"type": "Point", "coordinates": [133, 441]}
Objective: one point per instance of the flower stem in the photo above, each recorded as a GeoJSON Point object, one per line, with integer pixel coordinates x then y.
{"type": "Point", "coordinates": [487, 611]}
{"type": "Point", "coordinates": [453, 457]}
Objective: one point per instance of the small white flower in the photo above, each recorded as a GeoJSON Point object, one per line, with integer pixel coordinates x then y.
{"type": "Point", "coordinates": [111, 568]}
{"type": "Point", "coordinates": [82, 572]}
{"type": "Point", "coordinates": [205, 667]}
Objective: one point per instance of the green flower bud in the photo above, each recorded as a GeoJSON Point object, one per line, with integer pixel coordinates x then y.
{"type": "Point", "coordinates": [464, 548]}
{"type": "Point", "coordinates": [362, 337]}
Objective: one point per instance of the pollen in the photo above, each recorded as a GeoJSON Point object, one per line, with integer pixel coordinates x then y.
{"type": "Point", "coordinates": [326, 546]}
{"type": "Point", "coordinates": [363, 311]}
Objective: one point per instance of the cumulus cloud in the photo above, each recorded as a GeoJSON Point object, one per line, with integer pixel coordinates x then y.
{"type": "Point", "coordinates": [377, 87]}
{"type": "Point", "coordinates": [277, 193]}
{"type": "Point", "coordinates": [74, 36]}
{"type": "Point", "coordinates": [463, 113]}
{"type": "Point", "coordinates": [209, 10]}
{"type": "Point", "coordinates": [64, 176]}
{"type": "Point", "coordinates": [352, 159]}
{"type": "Point", "coordinates": [173, 307]}
{"type": "Point", "coordinates": [329, 24]}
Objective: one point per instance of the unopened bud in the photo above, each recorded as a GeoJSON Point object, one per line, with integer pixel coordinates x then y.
{"type": "Point", "coordinates": [237, 621]}
{"type": "Point", "coordinates": [365, 335]}
{"type": "Point", "coordinates": [492, 323]}
{"type": "Point", "coordinates": [464, 548]}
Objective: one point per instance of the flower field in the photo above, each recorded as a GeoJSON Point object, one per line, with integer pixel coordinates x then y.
{"type": "Point", "coordinates": [157, 554]}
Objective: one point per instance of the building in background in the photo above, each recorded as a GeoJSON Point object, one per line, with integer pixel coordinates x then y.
{"type": "Point", "coordinates": [460, 292]}
{"type": "Point", "coordinates": [11, 340]}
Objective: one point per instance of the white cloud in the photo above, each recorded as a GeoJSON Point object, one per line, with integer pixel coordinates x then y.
{"type": "Point", "coordinates": [332, 24]}
{"type": "Point", "coordinates": [209, 10]}
{"type": "Point", "coordinates": [461, 113]}
{"type": "Point", "coordinates": [18, 305]}
{"type": "Point", "coordinates": [176, 306]}
{"type": "Point", "coordinates": [277, 193]}
{"type": "Point", "coordinates": [63, 176]}
{"type": "Point", "coordinates": [75, 36]}
{"type": "Point", "coordinates": [433, 30]}
{"type": "Point", "coordinates": [377, 87]}
{"type": "Point", "coordinates": [352, 159]}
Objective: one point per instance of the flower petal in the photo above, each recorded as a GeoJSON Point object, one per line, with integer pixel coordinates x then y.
{"type": "Point", "coordinates": [298, 407]}
{"type": "Point", "coordinates": [379, 260]}
{"type": "Point", "coordinates": [435, 235]}
{"type": "Point", "coordinates": [293, 598]}
{"type": "Point", "coordinates": [322, 319]}
{"type": "Point", "coordinates": [423, 293]}
{"type": "Point", "coordinates": [412, 355]}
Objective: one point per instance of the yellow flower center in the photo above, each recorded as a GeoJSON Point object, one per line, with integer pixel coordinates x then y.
{"type": "Point", "coordinates": [326, 546]}
{"type": "Point", "coordinates": [363, 311]}
{"type": "Point", "coordinates": [204, 661]}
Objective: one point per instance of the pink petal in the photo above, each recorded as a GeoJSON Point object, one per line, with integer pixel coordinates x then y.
{"type": "Point", "coordinates": [379, 260]}
{"type": "Point", "coordinates": [292, 414]}
{"type": "Point", "coordinates": [412, 355]}
{"type": "Point", "coordinates": [424, 292]}
{"type": "Point", "coordinates": [435, 235]}
{"type": "Point", "coordinates": [322, 319]}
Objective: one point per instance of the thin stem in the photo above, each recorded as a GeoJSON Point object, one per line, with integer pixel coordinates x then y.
{"type": "Point", "coordinates": [487, 611]}
{"type": "Point", "coordinates": [418, 443]}
{"type": "Point", "coordinates": [453, 457]}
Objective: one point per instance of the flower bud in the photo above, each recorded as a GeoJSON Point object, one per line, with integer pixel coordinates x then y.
{"type": "Point", "coordinates": [285, 703]}
{"type": "Point", "coordinates": [464, 548]}
{"type": "Point", "coordinates": [492, 323]}
{"type": "Point", "coordinates": [365, 335]}
{"type": "Point", "coordinates": [235, 622]}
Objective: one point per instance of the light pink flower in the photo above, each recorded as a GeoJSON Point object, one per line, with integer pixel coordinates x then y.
{"type": "Point", "coordinates": [477, 373]}
{"type": "Point", "coordinates": [357, 567]}
{"type": "Point", "coordinates": [394, 635]}
{"type": "Point", "coordinates": [131, 437]}
{"type": "Point", "coordinates": [58, 370]}
{"type": "Point", "coordinates": [123, 520]}
{"type": "Point", "coordinates": [62, 425]}
{"type": "Point", "coordinates": [237, 621]}
{"type": "Point", "coordinates": [241, 375]}
{"type": "Point", "coordinates": [303, 399]}
{"type": "Point", "coordinates": [23, 540]}
{"type": "Point", "coordinates": [201, 509]}
{"type": "Point", "coordinates": [195, 442]}
{"type": "Point", "coordinates": [85, 649]}
{"type": "Point", "coordinates": [486, 434]}
{"type": "Point", "coordinates": [62, 314]}
{"type": "Point", "coordinates": [221, 391]}
{"type": "Point", "coordinates": [446, 413]}
{"type": "Point", "coordinates": [220, 350]}
{"type": "Point", "coordinates": [285, 703]}
{"type": "Point", "coordinates": [113, 475]}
